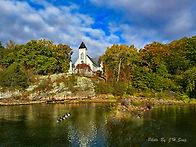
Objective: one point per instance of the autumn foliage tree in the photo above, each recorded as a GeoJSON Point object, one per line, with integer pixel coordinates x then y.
{"type": "Point", "coordinates": [153, 55]}
{"type": "Point", "coordinates": [119, 62]}
{"type": "Point", "coordinates": [156, 67]}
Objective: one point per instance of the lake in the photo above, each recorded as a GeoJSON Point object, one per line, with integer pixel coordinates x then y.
{"type": "Point", "coordinates": [93, 125]}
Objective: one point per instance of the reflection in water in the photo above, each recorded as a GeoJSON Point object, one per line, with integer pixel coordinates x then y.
{"type": "Point", "coordinates": [93, 125]}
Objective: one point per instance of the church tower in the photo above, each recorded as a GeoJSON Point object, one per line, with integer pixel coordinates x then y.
{"type": "Point", "coordinates": [83, 53]}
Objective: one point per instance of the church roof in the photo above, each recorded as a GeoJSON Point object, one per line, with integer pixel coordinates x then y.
{"type": "Point", "coordinates": [83, 66]}
{"type": "Point", "coordinates": [95, 63]}
{"type": "Point", "coordinates": [82, 45]}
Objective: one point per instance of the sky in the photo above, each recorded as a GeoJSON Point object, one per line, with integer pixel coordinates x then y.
{"type": "Point", "coordinates": [99, 23]}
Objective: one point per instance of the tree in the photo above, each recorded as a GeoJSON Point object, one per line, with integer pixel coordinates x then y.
{"type": "Point", "coordinates": [152, 72]}
{"type": "Point", "coordinates": [154, 55]}
{"type": "Point", "coordinates": [191, 50]}
{"type": "Point", "coordinates": [9, 53]}
{"type": "Point", "coordinates": [14, 76]}
{"type": "Point", "coordinates": [11, 45]}
{"type": "Point", "coordinates": [44, 57]}
{"type": "Point", "coordinates": [118, 62]}
{"type": "Point", "coordinates": [1, 51]}
{"type": "Point", "coordinates": [189, 82]}
{"type": "Point", "coordinates": [177, 61]}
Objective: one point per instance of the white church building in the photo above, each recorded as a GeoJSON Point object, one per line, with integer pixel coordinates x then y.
{"type": "Point", "coordinates": [85, 64]}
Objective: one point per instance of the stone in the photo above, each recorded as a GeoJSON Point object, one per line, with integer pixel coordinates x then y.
{"type": "Point", "coordinates": [10, 94]}
{"type": "Point", "coordinates": [31, 88]}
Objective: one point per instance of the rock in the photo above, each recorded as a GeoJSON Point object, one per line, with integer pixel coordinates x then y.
{"type": "Point", "coordinates": [32, 96]}
{"type": "Point", "coordinates": [62, 95]}
{"type": "Point", "coordinates": [53, 77]}
{"type": "Point", "coordinates": [10, 94]}
{"type": "Point", "coordinates": [53, 87]}
{"type": "Point", "coordinates": [84, 83]}
{"type": "Point", "coordinates": [125, 102]}
{"type": "Point", "coordinates": [31, 88]}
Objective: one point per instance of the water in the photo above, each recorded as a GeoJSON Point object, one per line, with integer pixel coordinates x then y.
{"type": "Point", "coordinates": [94, 125]}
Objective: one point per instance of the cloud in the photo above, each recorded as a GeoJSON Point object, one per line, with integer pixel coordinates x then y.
{"type": "Point", "coordinates": [150, 8]}
{"type": "Point", "coordinates": [101, 24]}
{"type": "Point", "coordinates": [22, 22]}
{"type": "Point", "coordinates": [135, 35]}
{"type": "Point", "coordinates": [165, 19]}
{"type": "Point", "coordinates": [183, 23]}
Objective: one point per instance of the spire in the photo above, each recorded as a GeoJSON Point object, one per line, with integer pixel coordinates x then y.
{"type": "Point", "coordinates": [82, 45]}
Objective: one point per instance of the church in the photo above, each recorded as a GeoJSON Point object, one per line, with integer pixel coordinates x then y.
{"type": "Point", "coordinates": [85, 64]}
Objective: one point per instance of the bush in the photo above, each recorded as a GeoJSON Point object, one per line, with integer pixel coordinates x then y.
{"type": "Point", "coordinates": [44, 85]}
{"type": "Point", "coordinates": [130, 90]}
{"type": "Point", "coordinates": [185, 98]}
{"type": "Point", "coordinates": [119, 88]}
{"type": "Point", "coordinates": [103, 88]}
{"type": "Point", "coordinates": [115, 88]}
{"type": "Point", "coordinates": [70, 82]}
{"type": "Point", "coordinates": [14, 77]}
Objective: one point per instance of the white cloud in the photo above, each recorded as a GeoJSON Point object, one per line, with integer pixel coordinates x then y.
{"type": "Point", "coordinates": [134, 34]}
{"type": "Point", "coordinates": [138, 36]}
{"type": "Point", "coordinates": [149, 8]}
{"type": "Point", "coordinates": [21, 22]}
{"type": "Point", "coordinates": [167, 19]}
{"type": "Point", "coordinates": [181, 23]}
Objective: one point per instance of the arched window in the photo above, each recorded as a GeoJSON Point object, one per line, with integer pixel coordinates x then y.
{"type": "Point", "coordinates": [82, 56]}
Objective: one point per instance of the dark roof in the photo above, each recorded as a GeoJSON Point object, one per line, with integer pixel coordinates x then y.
{"type": "Point", "coordinates": [82, 45]}
{"type": "Point", "coordinates": [94, 61]}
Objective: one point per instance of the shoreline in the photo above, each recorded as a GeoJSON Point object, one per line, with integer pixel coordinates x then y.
{"type": "Point", "coordinates": [13, 102]}
{"type": "Point", "coordinates": [122, 108]}
{"type": "Point", "coordinates": [135, 101]}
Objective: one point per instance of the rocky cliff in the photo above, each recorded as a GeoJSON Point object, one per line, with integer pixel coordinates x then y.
{"type": "Point", "coordinates": [53, 87]}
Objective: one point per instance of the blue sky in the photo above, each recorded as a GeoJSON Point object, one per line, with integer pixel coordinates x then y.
{"type": "Point", "coordinates": [99, 23]}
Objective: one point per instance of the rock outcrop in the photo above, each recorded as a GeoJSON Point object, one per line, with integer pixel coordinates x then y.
{"type": "Point", "coordinates": [54, 87]}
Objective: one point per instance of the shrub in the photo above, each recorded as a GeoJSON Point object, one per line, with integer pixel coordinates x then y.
{"type": "Point", "coordinates": [130, 90]}
{"type": "Point", "coordinates": [70, 82]}
{"type": "Point", "coordinates": [119, 88]}
{"type": "Point", "coordinates": [14, 77]}
{"type": "Point", "coordinates": [44, 85]}
{"type": "Point", "coordinates": [185, 98]}
{"type": "Point", "coordinates": [103, 88]}
{"type": "Point", "coordinates": [115, 88]}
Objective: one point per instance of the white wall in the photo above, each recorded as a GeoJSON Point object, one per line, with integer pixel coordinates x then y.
{"type": "Point", "coordinates": [86, 60]}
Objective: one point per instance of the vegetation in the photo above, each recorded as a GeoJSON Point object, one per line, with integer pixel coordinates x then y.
{"type": "Point", "coordinates": [14, 76]}
{"type": "Point", "coordinates": [40, 57]}
{"type": "Point", "coordinates": [70, 82]}
{"type": "Point", "coordinates": [157, 68]}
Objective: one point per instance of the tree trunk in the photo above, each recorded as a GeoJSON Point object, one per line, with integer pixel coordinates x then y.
{"type": "Point", "coordinates": [119, 68]}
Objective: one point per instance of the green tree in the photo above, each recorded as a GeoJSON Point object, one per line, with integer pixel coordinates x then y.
{"type": "Point", "coordinates": [191, 50]}
{"type": "Point", "coordinates": [14, 76]}
{"type": "Point", "coordinates": [1, 51]}
{"type": "Point", "coordinates": [44, 57]}
{"type": "Point", "coordinates": [8, 54]}
{"type": "Point", "coordinates": [177, 61]}
{"type": "Point", "coordinates": [189, 82]}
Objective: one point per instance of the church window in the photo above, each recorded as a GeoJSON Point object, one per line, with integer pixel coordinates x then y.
{"type": "Point", "coordinates": [82, 56]}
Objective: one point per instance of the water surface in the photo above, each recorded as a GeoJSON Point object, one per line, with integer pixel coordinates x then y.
{"type": "Point", "coordinates": [94, 125]}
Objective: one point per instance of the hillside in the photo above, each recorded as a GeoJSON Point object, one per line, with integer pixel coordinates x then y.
{"type": "Point", "coordinates": [54, 87]}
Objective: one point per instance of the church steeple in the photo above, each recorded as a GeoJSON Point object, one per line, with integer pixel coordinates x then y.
{"type": "Point", "coordinates": [82, 53]}
{"type": "Point", "coordinates": [82, 45]}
